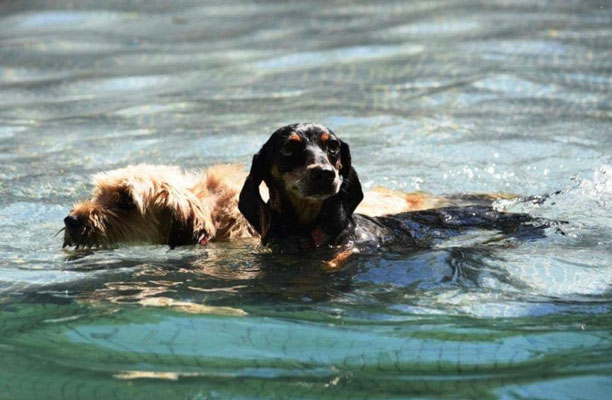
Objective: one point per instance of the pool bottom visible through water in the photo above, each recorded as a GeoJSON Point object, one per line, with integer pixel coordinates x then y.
{"type": "Point", "coordinates": [233, 321]}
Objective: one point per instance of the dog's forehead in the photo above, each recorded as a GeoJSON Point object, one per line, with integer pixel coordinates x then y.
{"type": "Point", "coordinates": [306, 132]}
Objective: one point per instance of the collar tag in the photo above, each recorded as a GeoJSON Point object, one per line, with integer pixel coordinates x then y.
{"type": "Point", "coordinates": [318, 236]}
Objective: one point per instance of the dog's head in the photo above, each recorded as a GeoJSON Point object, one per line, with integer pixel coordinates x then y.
{"type": "Point", "coordinates": [139, 204]}
{"type": "Point", "coordinates": [309, 175]}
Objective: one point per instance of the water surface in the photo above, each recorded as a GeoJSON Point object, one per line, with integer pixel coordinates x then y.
{"type": "Point", "coordinates": [445, 97]}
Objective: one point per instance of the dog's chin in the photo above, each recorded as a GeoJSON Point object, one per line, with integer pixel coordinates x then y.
{"type": "Point", "coordinates": [82, 246]}
{"type": "Point", "coordinates": [72, 245]}
{"type": "Point", "coordinates": [320, 192]}
{"type": "Point", "coordinates": [81, 243]}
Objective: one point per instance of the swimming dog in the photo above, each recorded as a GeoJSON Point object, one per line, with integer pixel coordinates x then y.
{"type": "Point", "coordinates": [314, 191]}
{"type": "Point", "coordinates": [159, 205]}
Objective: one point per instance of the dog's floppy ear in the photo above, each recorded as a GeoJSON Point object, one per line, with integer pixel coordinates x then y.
{"type": "Point", "coordinates": [187, 232]}
{"type": "Point", "coordinates": [250, 204]}
{"type": "Point", "coordinates": [340, 207]}
{"type": "Point", "coordinates": [350, 190]}
{"type": "Point", "coordinates": [189, 222]}
{"type": "Point", "coordinates": [181, 232]}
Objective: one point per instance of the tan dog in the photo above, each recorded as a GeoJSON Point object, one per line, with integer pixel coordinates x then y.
{"type": "Point", "coordinates": [155, 204]}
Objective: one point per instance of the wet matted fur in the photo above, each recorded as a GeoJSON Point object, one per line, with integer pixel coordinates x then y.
{"type": "Point", "coordinates": [156, 204]}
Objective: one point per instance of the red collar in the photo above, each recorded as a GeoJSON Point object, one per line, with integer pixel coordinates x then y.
{"type": "Point", "coordinates": [317, 238]}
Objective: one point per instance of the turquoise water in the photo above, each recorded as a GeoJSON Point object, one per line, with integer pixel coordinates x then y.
{"type": "Point", "coordinates": [445, 97]}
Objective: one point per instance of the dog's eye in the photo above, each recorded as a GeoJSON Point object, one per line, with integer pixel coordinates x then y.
{"type": "Point", "coordinates": [333, 146]}
{"type": "Point", "coordinates": [288, 149]}
{"type": "Point", "coordinates": [125, 202]}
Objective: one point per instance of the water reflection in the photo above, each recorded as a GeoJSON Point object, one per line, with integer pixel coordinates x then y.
{"type": "Point", "coordinates": [242, 276]}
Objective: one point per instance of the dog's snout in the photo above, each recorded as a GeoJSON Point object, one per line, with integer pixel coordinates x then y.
{"type": "Point", "coordinates": [72, 222]}
{"type": "Point", "coordinates": [322, 174]}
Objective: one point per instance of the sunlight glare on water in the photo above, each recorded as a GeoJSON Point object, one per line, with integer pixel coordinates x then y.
{"type": "Point", "coordinates": [454, 97]}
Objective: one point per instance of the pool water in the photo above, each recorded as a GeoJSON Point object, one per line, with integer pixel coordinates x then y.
{"type": "Point", "coordinates": [444, 97]}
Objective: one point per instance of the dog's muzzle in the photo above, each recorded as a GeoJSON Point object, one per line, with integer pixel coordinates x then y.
{"type": "Point", "coordinates": [322, 175]}
{"type": "Point", "coordinates": [322, 180]}
{"type": "Point", "coordinates": [72, 223]}
{"type": "Point", "coordinates": [73, 231]}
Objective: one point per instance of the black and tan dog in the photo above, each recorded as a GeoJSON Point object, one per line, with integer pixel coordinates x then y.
{"type": "Point", "coordinates": [314, 191]}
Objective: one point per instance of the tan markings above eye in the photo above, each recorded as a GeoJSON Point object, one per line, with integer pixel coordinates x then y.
{"type": "Point", "coordinates": [294, 137]}
{"type": "Point", "coordinates": [325, 137]}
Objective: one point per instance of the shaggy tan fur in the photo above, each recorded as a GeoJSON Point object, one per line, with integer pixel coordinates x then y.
{"type": "Point", "coordinates": [164, 202]}
{"type": "Point", "coordinates": [156, 204]}
{"type": "Point", "coordinates": [382, 201]}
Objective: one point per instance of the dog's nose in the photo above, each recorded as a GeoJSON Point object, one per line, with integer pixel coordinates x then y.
{"type": "Point", "coordinates": [322, 175]}
{"type": "Point", "coordinates": [71, 222]}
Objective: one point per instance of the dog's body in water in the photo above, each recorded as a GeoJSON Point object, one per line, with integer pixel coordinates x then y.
{"type": "Point", "coordinates": [157, 204]}
{"type": "Point", "coordinates": [314, 191]}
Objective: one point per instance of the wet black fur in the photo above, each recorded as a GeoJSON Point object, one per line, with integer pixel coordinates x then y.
{"type": "Point", "coordinates": [418, 229]}
{"type": "Point", "coordinates": [336, 212]}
